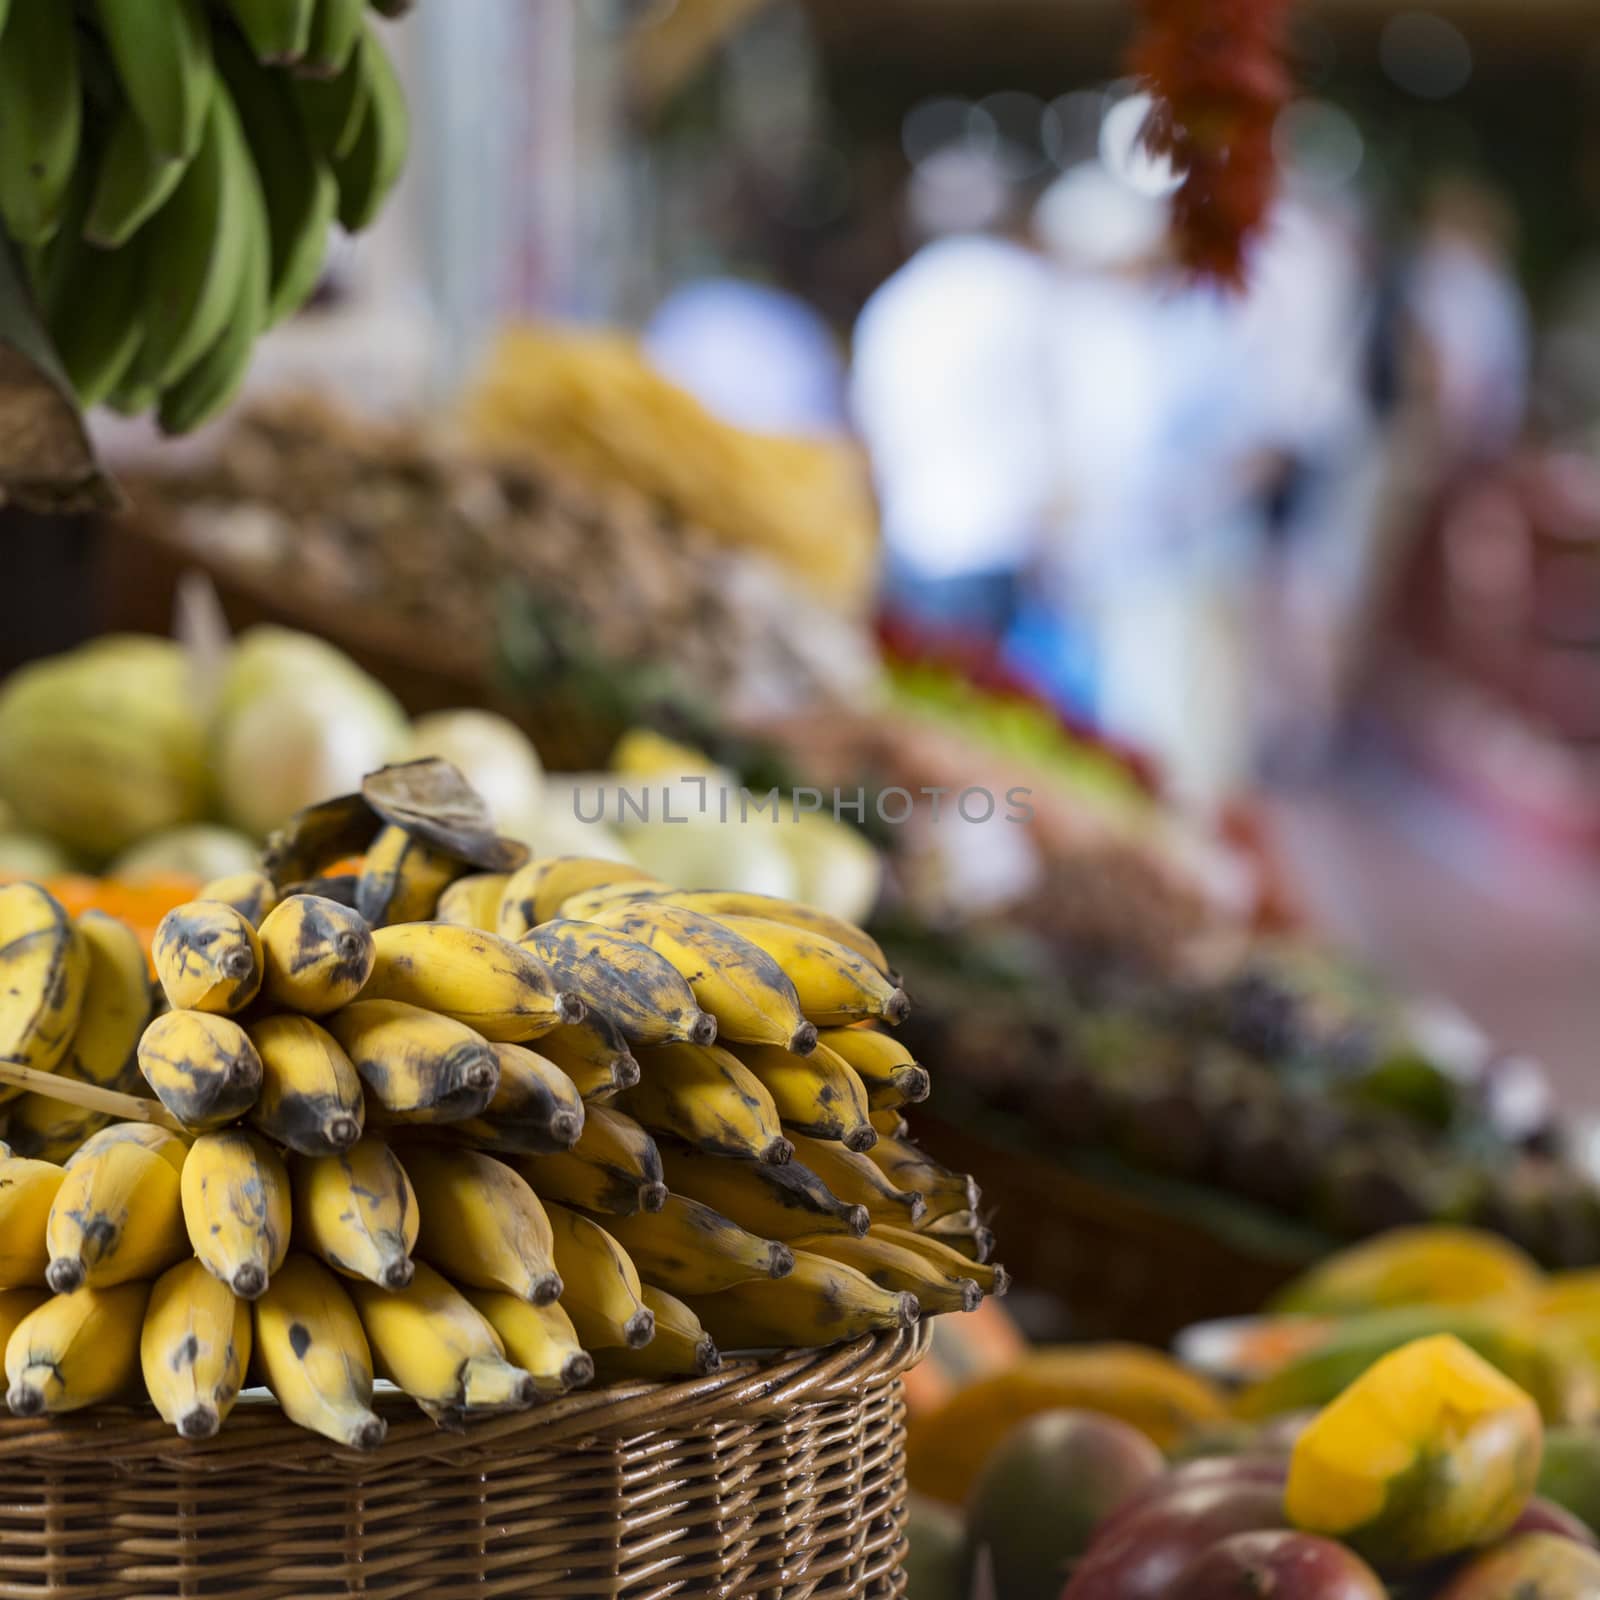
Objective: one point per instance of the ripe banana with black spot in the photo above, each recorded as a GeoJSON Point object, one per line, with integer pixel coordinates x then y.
{"type": "Point", "coordinates": [990, 1276]}
{"type": "Point", "coordinates": [593, 1054]}
{"type": "Point", "coordinates": [251, 894]}
{"type": "Point", "coordinates": [614, 1168]}
{"type": "Point", "coordinates": [536, 890]}
{"type": "Point", "coordinates": [402, 877]}
{"type": "Point", "coordinates": [203, 1067]}
{"type": "Point", "coordinates": [536, 1108]}
{"type": "Point", "coordinates": [772, 1202]}
{"type": "Point", "coordinates": [158, 1141]}
{"type": "Point", "coordinates": [311, 1097]}
{"type": "Point", "coordinates": [419, 1066]}
{"type": "Point", "coordinates": [42, 92]}
{"type": "Point", "coordinates": [819, 1303]}
{"type": "Point", "coordinates": [483, 1222]}
{"type": "Point", "coordinates": [687, 1248]}
{"type": "Point", "coordinates": [27, 1191]}
{"type": "Point", "coordinates": [194, 1349]}
{"type": "Point", "coordinates": [162, 56]}
{"type": "Point", "coordinates": [703, 1095]}
{"type": "Point", "coordinates": [890, 1072]}
{"type": "Point", "coordinates": [889, 1124]}
{"type": "Point", "coordinates": [601, 1289]}
{"type": "Point", "coordinates": [815, 1094]}
{"type": "Point", "coordinates": [856, 1178]}
{"type": "Point", "coordinates": [313, 1353]}
{"type": "Point", "coordinates": [835, 984]}
{"type": "Point", "coordinates": [681, 1348]}
{"type": "Point", "coordinates": [587, 904]}
{"type": "Point", "coordinates": [963, 1231]}
{"type": "Point", "coordinates": [117, 1216]}
{"type": "Point", "coordinates": [44, 971]}
{"type": "Point", "coordinates": [358, 1212]}
{"type": "Point", "coordinates": [236, 1208]}
{"type": "Point", "coordinates": [539, 1339]}
{"type": "Point", "coordinates": [207, 957]}
{"type": "Point", "coordinates": [893, 1267]}
{"type": "Point", "coordinates": [474, 901]}
{"type": "Point", "coordinates": [76, 1350]}
{"type": "Point", "coordinates": [317, 954]}
{"type": "Point", "coordinates": [739, 903]}
{"type": "Point", "coordinates": [908, 1167]}
{"type": "Point", "coordinates": [376, 158]}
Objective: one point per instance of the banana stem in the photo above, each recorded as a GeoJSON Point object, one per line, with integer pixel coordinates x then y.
{"type": "Point", "coordinates": [89, 1096]}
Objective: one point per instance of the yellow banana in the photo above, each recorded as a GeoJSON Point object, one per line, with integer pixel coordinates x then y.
{"type": "Point", "coordinates": [816, 1094]}
{"type": "Point", "coordinates": [482, 1221]}
{"type": "Point", "coordinates": [15, 1304]}
{"type": "Point", "coordinates": [536, 890]}
{"type": "Point", "coordinates": [317, 954]}
{"type": "Point", "coordinates": [146, 1135]}
{"type": "Point", "coordinates": [311, 1097]}
{"type": "Point", "coordinates": [889, 1124]}
{"type": "Point", "coordinates": [474, 901]}
{"type": "Point", "coordinates": [313, 1354]}
{"type": "Point", "coordinates": [207, 957]}
{"type": "Point", "coordinates": [432, 1342]}
{"type": "Point", "coordinates": [536, 1109]}
{"type": "Point", "coordinates": [688, 1248]}
{"type": "Point", "coordinates": [490, 984]}
{"type": "Point", "coordinates": [892, 1266]}
{"type": "Point", "coordinates": [854, 1177]}
{"type": "Point", "coordinates": [203, 1067]}
{"type": "Point", "coordinates": [539, 1339]}
{"type": "Point", "coordinates": [884, 1065]}
{"type": "Point", "coordinates": [417, 1065]}
{"type": "Point", "coordinates": [402, 878]}
{"type": "Point", "coordinates": [642, 992]}
{"type": "Point", "coordinates": [773, 1202]}
{"type": "Point", "coordinates": [703, 1095]}
{"type": "Point", "coordinates": [27, 1191]}
{"type": "Point", "coordinates": [835, 984]}
{"type": "Point", "coordinates": [963, 1231]}
{"type": "Point", "coordinates": [601, 1291]}
{"type": "Point", "coordinates": [75, 1350]}
{"type": "Point", "coordinates": [194, 1347]}
{"type": "Point", "coordinates": [593, 1054]}
{"type": "Point", "coordinates": [587, 904]}
{"type": "Point", "coordinates": [991, 1277]}
{"type": "Point", "coordinates": [44, 970]}
{"type": "Point", "coordinates": [738, 903]}
{"type": "Point", "coordinates": [614, 1168]}
{"type": "Point", "coordinates": [252, 894]}
{"type": "Point", "coordinates": [681, 1348]}
{"type": "Point", "coordinates": [819, 1303]}
{"type": "Point", "coordinates": [236, 1208]}
{"type": "Point", "coordinates": [748, 993]}
{"type": "Point", "coordinates": [910, 1168]}
{"type": "Point", "coordinates": [117, 1216]}
{"type": "Point", "coordinates": [358, 1212]}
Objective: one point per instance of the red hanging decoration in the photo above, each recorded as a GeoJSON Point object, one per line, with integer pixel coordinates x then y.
{"type": "Point", "coordinates": [1218, 73]}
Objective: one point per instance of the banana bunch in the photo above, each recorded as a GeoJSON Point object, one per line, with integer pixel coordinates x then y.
{"type": "Point", "coordinates": [171, 171]}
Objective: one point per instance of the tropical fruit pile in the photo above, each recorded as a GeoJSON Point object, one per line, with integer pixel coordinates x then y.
{"type": "Point", "coordinates": [477, 1124]}
{"type": "Point", "coordinates": [170, 172]}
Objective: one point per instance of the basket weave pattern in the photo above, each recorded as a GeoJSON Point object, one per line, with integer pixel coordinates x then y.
{"type": "Point", "coordinates": [782, 1480]}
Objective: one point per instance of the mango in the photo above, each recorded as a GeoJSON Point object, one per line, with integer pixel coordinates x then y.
{"type": "Point", "coordinates": [1533, 1566]}
{"type": "Point", "coordinates": [1288, 1566]}
{"type": "Point", "coordinates": [933, 1565]}
{"type": "Point", "coordinates": [1430, 1453]}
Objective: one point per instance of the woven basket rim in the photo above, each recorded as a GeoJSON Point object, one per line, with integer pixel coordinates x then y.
{"type": "Point", "coordinates": [743, 1389]}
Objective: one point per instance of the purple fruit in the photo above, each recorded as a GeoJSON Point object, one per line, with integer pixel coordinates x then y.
{"type": "Point", "coordinates": [1545, 1516]}
{"type": "Point", "coordinates": [1286, 1566]}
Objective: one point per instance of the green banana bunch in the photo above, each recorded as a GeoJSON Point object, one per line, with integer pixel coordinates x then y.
{"type": "Point", "coordinates": [42, 92]}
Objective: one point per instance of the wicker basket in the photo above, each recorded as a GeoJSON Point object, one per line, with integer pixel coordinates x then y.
{"type": "Point", "coordinates": [780, 1480]}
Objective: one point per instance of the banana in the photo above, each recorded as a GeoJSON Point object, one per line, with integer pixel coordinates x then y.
{"type": "Point", "coordinates": [772, 1202]}
{"type": "Point", "coordinates": [146, 1135]}
{"type": "Point", "coordinates": [99, 326]}
{"type": "Point", "coordinates": [892, 1266]}
{"type": "Point", "coordinates": [482, 1221]}
{"type": "Point", "coordinates": [194, 1348]}
{"type": "Point", "coordinates": [419, 1066]}
{"type": "Point", "coordinates": [703, 1095]}
{"type": "Point", "coordinates": [44, 972]}
{"type": "Point", "coordinates": [311, 1097]}
{"type": "Point", "coordinates": [536, 890]}
{"type": "Point", "coordinates": [854, 1177]}
{"type": "Point", "coordinates": [891, 1075]}
{"type": "Point", "coordinates": [815, 1094]}
{"type": "Point", "coordinates": [991, 1277]}
{"type": "Point", "coordinates": [333, 109]}
{"type": "Point", "coordinates": [474, 901]}
{"type": "Point", "coordinates": [738, 903]}
{"type": "Point", "coordinates": [336, 29]}
{"type": "Point", "coordinates": [819, 1303]}
{"type": "Point", "coordinates": [402, 878]}
{"type": "Point", "coordinates": [687, 1248]}
{"type": "Point", "coordinates": [593, 1054]}
{"type": "Point", "coordinates": [614, 1168]}
{"type": "Point", "coordinates": [76, 1350]}
{"type": "Point", "coordinates": [251, 894]}
{"type": "Point", "coordinates": [162, 56]}
{"type": "Point", "coordinates": [27, 1191]}
{"type": "Point", "coordinates": [15, 1304]}
{"type": "Point", "coordinates": [117, 1216]}
{"type": "Point", "coordinates": [835, 984]}
{"type": "Point", "coordinates": [236, 1208]}
{"type": "Point", "coordinates": [910, 1168]}
{"type": "Point", "coordinates": [963, 1231]}
{"type": "Point", "coordinates": [279, 31]}
{"type": "Point", "coordinates": [536, 1109]}
{"type": "Point", "coordinates": [643, 993]}
{"type": "Point", "coordinates": [207, 957]}
{"type": "Point", "coordinates": [587, 904]}
{"type": "Point", "coordinates": [134, 180]}
{"type": "Point", "coordinates": [358, 1212]}
{"type": "Point", "coordinates": [601, 1289]}
{"type": "Point", "coordinates": [432, 1342]}
{"type": "Point", "coordinates": [317, 954]}
{"type": "Point", "coordinates": [367, 174]}
{"type": "Point", "coordinates": [681, 1348]}
{"type": "Point", "coordinates": [313, 1354]}
{"type": "Point", "coordinates": [741, 986]}
{"type": "Point", "coordinates": [203, 1067]}
{"type": "Point", "coordinates": [539, 1339]}
{"type": "Point", "coordinates": [480, 979]}
{"type": "Point", "coordinates": [889, 1124]}
{"type": "Point", "coordinates": [41, 91]}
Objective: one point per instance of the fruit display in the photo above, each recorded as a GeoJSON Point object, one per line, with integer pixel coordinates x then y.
{"type": "Point", "coordinates": [170, 175]}
{"type": "Point", "coordinates": [360, 1164]}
